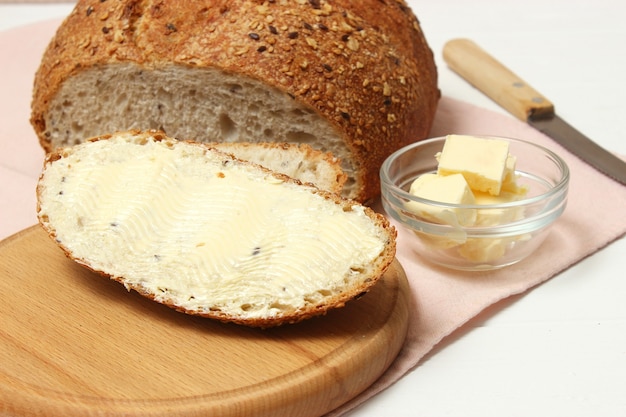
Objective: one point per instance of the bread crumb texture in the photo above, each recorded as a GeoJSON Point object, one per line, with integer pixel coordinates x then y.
{"type": "Point", "coordinates": [354, 78]}
{"type": "Point", "coordinates": [298, 161]}
{"type": "Point", "coordinates": [207, 234]}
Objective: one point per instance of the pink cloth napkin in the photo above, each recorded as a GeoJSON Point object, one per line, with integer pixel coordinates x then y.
{"type": "Point", "coordinates": [443, 300]}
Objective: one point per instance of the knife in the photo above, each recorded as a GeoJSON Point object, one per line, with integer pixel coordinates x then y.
{"type": "Point", "coordinates": [488, 75]}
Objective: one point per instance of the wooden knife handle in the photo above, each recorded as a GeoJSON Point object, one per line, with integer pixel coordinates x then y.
{"type": "Point", "coordinates": [495, 80]}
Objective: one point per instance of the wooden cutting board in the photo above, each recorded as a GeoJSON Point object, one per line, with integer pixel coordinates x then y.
{"type": "Point", "coordinates": [74, 343]}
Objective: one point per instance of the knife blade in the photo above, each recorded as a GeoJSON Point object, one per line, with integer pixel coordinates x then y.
{"type": "Point", "coordinates": [499, 83]}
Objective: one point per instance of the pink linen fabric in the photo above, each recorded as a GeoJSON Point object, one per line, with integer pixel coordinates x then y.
{"type": "Point", "coordinates": [443, 300]}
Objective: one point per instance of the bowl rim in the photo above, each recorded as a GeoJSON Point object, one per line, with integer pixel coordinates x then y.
{"type": "Point", "coordinates": [559, 187]}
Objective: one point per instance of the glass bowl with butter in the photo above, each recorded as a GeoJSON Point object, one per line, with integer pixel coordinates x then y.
{"type": "Point", "coordinates": [475, 202]}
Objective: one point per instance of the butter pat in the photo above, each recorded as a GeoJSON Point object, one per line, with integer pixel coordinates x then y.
{"type": "Point", "coordinates": [489, 250]}
{"type": "Point", "coordinates": [451, 189]}
{"type": "Point", "coordinates": [482, 161]}
{"type": "Point", "coordinates": [484, 250]}
{"type": "Point", "coordinates": [493, 216]}
{"type": "Point", "coordinates": [509, 183]}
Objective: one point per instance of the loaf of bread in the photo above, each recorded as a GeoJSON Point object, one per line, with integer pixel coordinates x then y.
{"type": "Point", "coordinates": [355, 78]}
{"type": "Point", "coordinates": [208, 234]}
{"type": "Point", "coordinates": [297, 161]}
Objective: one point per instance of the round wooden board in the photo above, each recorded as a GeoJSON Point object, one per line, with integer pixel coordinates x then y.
{"type": "Point", "coordinates": [74, 343]}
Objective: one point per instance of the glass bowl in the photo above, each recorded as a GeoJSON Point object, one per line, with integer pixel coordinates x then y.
{"type": "Point", "coordinates": [507, 232]}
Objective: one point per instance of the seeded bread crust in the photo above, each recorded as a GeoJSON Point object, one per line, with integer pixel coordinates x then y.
{"type": "Point", "coordinates": [357, 285]}
{"type": "Point", "coordinates": [363, 66]}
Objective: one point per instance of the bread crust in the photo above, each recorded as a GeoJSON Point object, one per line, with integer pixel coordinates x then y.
{"type": "Point", "coordinates": [338, 300]}
{"type": "Point", "coordinates": [365, 66]}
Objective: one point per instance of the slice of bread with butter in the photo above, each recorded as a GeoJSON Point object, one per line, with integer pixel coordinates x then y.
{"type": "Point", "coordinates": [208, 234]}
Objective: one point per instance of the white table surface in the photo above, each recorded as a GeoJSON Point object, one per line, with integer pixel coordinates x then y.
{"type": "Point", "coordinates": [559, 350]}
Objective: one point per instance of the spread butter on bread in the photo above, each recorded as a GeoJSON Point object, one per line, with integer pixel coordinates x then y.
{"type": "Point", "coordinates": [208, 234]}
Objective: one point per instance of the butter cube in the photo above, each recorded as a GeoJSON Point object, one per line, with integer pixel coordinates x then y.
{"type": "Point", "coordinates": [492, 216]}
{"type": "Point", "coordinates": [451, 189]}
{"type": "Point", "coordinates": [482, 161]}
{"type": "Point", "coordinates": [484, 250]}
{"type": "Point", "coordinates": [448, 241]}
{"type": "Point", "coordinates": [509, 183]}
{"type": "Point", "coordinates": [490, 250]}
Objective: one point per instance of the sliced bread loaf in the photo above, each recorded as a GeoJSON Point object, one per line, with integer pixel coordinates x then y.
{"type": "Point", "coordinates": [355, 78]}
{"type": "Point", "coordinates": [208, 234]}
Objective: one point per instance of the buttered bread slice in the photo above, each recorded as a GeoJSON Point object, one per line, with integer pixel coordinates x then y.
{"type": "Point", "coordinates": [207, 234]}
